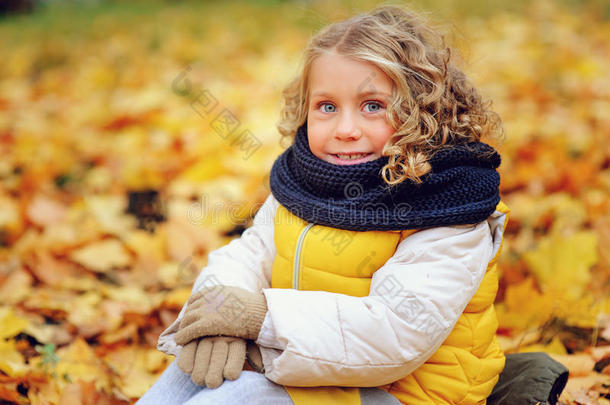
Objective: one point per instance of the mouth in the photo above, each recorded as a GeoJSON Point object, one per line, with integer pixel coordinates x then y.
{"type": "Point", "coordinates": [350, 158]}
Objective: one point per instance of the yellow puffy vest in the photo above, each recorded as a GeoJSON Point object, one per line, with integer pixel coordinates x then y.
{"type": "Point", "coordinates": [463, 370]}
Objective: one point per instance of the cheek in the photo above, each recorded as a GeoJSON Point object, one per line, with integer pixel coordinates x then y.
{"type": "Point", "coordinates": [317, 141]}
{"type": "Point", "coordinates": [382, 138]}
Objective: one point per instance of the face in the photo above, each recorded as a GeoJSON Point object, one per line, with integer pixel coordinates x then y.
{"type": "Point", "coordinates": [346, 122]}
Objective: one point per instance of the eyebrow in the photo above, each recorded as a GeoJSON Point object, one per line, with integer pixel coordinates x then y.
{"type": "Point", "coordinates": [364, 93]}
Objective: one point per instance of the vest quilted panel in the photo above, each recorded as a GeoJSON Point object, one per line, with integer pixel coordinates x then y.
{"type": "Point", "coordinates": [465, 367]}
{"type": "Point", "coordinates": [313, 278]}
{"type": "Point", "coordinates": [279, 278]}
{"type": "Point", "coordinates": [486, 292]}
{"type": "Point", "coordinates": [337, 260]}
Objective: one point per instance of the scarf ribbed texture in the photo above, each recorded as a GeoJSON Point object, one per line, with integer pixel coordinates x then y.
{"type": "Point", "coordinates": [462, 188]}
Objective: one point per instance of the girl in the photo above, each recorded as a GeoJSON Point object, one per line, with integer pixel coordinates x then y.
{"type": "Point", "coordinates": [369, 273]}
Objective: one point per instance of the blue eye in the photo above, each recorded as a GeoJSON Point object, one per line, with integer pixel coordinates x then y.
{"type": "Point", "coordinates": [323, 104]}
{"type": "Point", "coordinates": [375, 103]}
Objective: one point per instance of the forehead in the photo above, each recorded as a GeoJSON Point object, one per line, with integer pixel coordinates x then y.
{"type": "Point", "coordinates": [331, 72]}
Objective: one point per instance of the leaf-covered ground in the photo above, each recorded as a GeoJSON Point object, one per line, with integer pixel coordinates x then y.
{"type": "Point", "coordinates": [137, 137]}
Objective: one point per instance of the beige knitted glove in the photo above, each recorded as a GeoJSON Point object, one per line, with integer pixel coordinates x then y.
{"type": "Point", "coordinates": [222, 310]}
{"type": "Point", "coordinates": [210, 359]}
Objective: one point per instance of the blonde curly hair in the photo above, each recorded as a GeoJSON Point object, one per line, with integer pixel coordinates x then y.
{"type": "Point", "coordinates": [433, 103]}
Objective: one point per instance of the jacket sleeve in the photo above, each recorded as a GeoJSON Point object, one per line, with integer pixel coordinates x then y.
{"type": "Point", "coordinates": [244, 262]}
{"type": "Point", "coordinates": [318, 338]}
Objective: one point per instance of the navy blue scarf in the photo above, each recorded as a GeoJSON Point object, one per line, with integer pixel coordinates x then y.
{"type": "Point", "coordinates": [462, 188]}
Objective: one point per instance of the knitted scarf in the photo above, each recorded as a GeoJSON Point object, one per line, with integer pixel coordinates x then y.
{"type": "Point", "coordinates": [461, 188]}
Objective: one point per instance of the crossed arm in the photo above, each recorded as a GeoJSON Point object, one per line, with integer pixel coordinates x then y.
{"type": "Point", "coordinates": [310, 338]}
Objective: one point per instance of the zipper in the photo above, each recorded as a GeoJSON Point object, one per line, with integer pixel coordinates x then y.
{"type": "Point", "coordinates": [297, 256]}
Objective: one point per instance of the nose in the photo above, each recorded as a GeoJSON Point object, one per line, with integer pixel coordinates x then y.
{"type": "Point", "coordinates": [347, 128]}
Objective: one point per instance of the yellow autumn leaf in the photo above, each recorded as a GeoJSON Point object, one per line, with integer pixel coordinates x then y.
{"type": "Point", "coordinates": [109, 213]}
{"type": "Point", "coordinates": [84, 313]}
{"type": "Point", "coordinates": [9, 214]}
{"type": "Point", "coordinates": [49, 333]}
{"type": "Point", "coordinates": [136, 299]}
{"type": "Point", "coordinates": [11, 361]}
{"type": "Point", "coordinates": [203, 170]}
{"type": "Point", "coordinates": [50, 299]}
{"type": "Point", "coordinates": [137, 368]}
{"type": "Point", "coordinates": [44, 393]}
{"type": "Point", "coordinates": [583, 312]}
{"type": "Point", "coordinates": [523, 306]}
{"type": "Point", "coordinates": [145, 244]}
{"type": "Point", "coordinates": [11, 323]}
{"type": "Point", "coordinates": [561, 263]}
{"type": "Point", "coordinates": [140, 176]}
{"type": "Point", "coordinates": [177, 297]}
{"type": "Point", "coordinates": [555, 346]}
{"type": "Point", "coordinates": [79, 362]}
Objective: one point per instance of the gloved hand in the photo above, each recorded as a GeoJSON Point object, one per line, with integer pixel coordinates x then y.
{"type": "Point", "coordinates": [209, 359]}
{"type": "Point", "coordinates": [222, 310]}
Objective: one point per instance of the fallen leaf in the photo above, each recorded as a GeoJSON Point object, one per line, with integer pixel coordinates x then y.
{"type": "Point", "coordinates": [562, 263]}
{"type": "Point", "coordinates": [524, 306]}
{"type": "Point", "coordinates": [16, 286]}
{"type": "Point", "coordinates": [136, 367]}
{"type": "Point", "coordinates": [11, 361]}
{"type": "Point", "coordinates": [579, 364]}
{"type": "Point", "coordinates": [44, 211]}
{"type": "Point", "coordinates": [102, 256]}
{"type": "Point", "coordinates": [554, 347]}
{"type": "Point", "coordinates": [11, 323]}
{"type": "Point", "coordinates": [79, 362]}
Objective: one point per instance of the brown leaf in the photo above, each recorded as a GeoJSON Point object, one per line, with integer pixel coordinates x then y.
{"type": "Point", "coordinates": [599, 352]}
{"type": "Point", "coordinates": [603, 365]}
{"type": "Point", "coordinates": [102, 256]}
{"type": "Point", "coordinates": [8, 392]}
{"type": "Point", "coordinates": [50, 270]}
{"type": "Point", "coordinates": [578, 390]}
{"type": "Point", "coordinates": [44, 211]}
{"type": "Point", "coordinates": [16, 286]}
{"type": "Point", "coordinates": [578, 364]}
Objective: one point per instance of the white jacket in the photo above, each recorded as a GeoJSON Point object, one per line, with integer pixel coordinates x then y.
{"type": "Point", "coordinates": [305, 336]}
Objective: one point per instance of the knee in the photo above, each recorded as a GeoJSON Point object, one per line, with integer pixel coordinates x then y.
{"type": "Point", "coordinates": [250, 388]}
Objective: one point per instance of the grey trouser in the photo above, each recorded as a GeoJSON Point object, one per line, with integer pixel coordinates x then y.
{"type": "Point", "coordinates": [175, 387]}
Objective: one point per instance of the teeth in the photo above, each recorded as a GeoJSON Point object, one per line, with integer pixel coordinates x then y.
{"type": "Point", "coordinates": [351, 157]}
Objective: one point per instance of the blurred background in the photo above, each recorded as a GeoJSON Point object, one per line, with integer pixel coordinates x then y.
{"type": "Point", "coordinates": [137, 136]}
